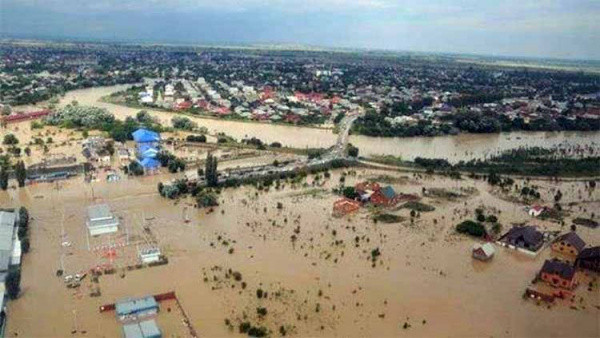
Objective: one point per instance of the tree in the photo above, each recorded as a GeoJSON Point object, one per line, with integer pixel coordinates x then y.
{"type": "Point", "coordinates": [352, 151]}
{"type": "Point", "coordinates": [136, 169]}
{"type": "Point", "coordinates": [6, 109]}
{"type": "Point", "coordinates": [349, 192]}
{"type": "Point", "coordinates": [21, 173]}
{"type": "Point", "coordinates": [27, 151]}
{"type": "Point", "coordinates": [3, 177]}
{"type": "Point", "coordinates": [10, 139]}
{"type": "Point", "coordinates": [13, 283]}
{"type": "Point", "coordinates": [210, 171]}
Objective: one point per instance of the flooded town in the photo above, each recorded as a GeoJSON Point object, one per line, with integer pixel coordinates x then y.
{"type": "Point", "coordinates": [175, 191]}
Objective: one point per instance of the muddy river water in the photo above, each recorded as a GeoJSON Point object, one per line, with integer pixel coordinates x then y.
{"type": "Point", "coordinates": [453, 148]}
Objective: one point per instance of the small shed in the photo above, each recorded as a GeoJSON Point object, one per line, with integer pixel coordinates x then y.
{"type": "Point", "coordinates": [483, 252]}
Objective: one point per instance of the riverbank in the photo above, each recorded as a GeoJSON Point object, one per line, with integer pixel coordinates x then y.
{"type": "Point", "coordinates": [462, 147]}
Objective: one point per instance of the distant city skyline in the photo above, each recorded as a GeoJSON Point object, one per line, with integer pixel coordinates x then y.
{"type": "Point", "coordinates": [528, 28]}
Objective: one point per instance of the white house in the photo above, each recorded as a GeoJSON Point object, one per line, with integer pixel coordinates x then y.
{"type": "Point", "coordinates": [535, 211]}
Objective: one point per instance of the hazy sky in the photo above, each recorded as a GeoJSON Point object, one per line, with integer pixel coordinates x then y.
{"type": "Point", "coordinates": [547, 28]}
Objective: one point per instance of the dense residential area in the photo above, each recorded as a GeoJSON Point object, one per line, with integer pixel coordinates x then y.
{"type": "Point", "coordinates": [402, 94]}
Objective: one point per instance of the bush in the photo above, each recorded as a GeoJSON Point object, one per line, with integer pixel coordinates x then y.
{"type": "Point", "coordinates": [471, 228]}
{"type": "Point", "coordinates": [387, 218]}
{"type": "Point", "coordinates": [418, 206]}
{"type": "Point", "coordinates": [135, 168]}
{"type": "Point", "coordinates": [183, 123]}
{"type": "Point", "coordinates": [206, 199]}
{"type": "Point", "coordinates": [196, 138]}
{"type": "Point", "coordinates": [10, 139]}
{"type": "Point", "coordinates": [349, 192]}
{"type": "Point", "coordinates": [492, 219]}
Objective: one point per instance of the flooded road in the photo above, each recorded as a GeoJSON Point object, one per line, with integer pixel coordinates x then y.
{"type": "Point", "coordinates": [453, 148]}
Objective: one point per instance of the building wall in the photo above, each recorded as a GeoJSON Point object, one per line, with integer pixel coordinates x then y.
{"type": "Point", "coordinates": [565, 248]}
{"type": "Point", "coordinates": [103, 230]}
{"type": "Point", "coordinates": [557, 281]}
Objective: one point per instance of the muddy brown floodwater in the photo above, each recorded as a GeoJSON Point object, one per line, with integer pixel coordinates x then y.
{"type": "Point", "coordinates": [453, 148]}
{"type": "Point", "coordinates": [316, 270]}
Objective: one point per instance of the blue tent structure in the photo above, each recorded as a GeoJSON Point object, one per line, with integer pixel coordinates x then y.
{"type": "Point", "coordinates": [149, 163]}
{"type": "Point", "coordinates": [145, 136]}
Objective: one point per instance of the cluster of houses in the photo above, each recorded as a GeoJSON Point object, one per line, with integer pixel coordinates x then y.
{"type": "Point", "coordinates": [560, 273]}
{"type": "Point", "coordinates": [243, 101]}
{"type": "Point", "coordinates": [373, 193]}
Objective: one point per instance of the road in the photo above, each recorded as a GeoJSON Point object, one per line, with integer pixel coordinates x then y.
{"type": "Point", "coordinates": [337, 151]}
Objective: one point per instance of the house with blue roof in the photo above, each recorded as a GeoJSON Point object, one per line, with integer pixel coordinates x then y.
{"type": "Point", "coordinates": [385, 196]}
{"type": "Point", "coordinates": [149, 163]}
{"type": "Point", "coordinates": [145, 136]}
{"type": "Point", "coordinates": [147, 148]}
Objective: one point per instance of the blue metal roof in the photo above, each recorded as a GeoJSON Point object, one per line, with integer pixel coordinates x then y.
{"type": "Point", "coordinates": [132, 331]}
{"type": "Point", "coordinates": [147, 150]}
{"type": "Point", "coordinates": [150, 329]}
{"type": "Point", "coordinates": [145, 135]}
{"type": "Point", "coordinates": [149, 163]}
{"type": "Point", "coordinates": [388, 192]}
{"type": "Point", "coordinates": [130, 306]}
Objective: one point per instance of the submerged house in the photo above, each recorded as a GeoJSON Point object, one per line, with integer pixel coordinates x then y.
{"type": "Point", "coordinates": [385, 196]}
{"type": "Point", "coordinates": [145, 136]}
{"type": "Point", "coordinates": [345, 206]}
{"type": "Point", "coordinates": [569, 243]}
{"type": "Point", "coordinates": [589, 258]}
{"type": "Point", "coordinates": [483, 252]}
{"type": "Point", "coordinates": [525, 237]}
{"type": "Point", "coordinates": [558, 274]}
{"type": "Point", "coordinates": [147, 148]}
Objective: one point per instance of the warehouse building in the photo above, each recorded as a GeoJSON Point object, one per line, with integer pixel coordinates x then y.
{"type": "Point", "coordinates": [101, 220]}
{"type": "Point", "coordinates": [145, 329]}
{"type": "Point", "coordinates": [134, 308]}
{"type": "Point", "coordinates": [10, 246]}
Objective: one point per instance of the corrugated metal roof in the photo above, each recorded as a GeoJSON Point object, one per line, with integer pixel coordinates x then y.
{"type": "Point", "coordinates": [132, 331]}
{"type": "Point", "coordinates": [150, 329]}
{"type": "Point", "coordinates": [7, 229]}
{"type": "Point", "coordinates": [99, 212]}
{"type": "Point", "coordinates": [132, 305]}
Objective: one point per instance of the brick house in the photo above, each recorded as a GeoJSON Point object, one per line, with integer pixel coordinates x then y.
{"type": "Point", "coordinates": [345, 206]}
{"type": "Point", "coordinates": [558, 274]}
{"type": "Point", "coordinates": [568, 244]}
